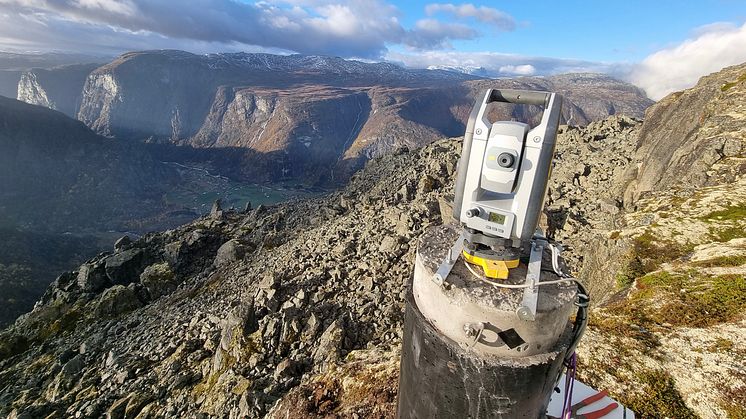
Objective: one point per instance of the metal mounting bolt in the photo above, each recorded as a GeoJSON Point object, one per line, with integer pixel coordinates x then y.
{"type": "Point", "coordinates": [537, 139]}
{"type": "Point", "coordinates": [524, 313]}
{"type": "Point", "coordinates": [479, 131]}
{"type": "Point", "coordinates": [470, 330]}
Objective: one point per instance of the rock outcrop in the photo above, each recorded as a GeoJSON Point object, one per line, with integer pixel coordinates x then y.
{"type": "Point", "coordinates": [591, 162]}
{"type": "Point", "coordinates": [58, 88]}
{"type": "Point", "coordinates": [691, 138]}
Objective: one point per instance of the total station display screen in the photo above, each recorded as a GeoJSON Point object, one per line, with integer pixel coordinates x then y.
{"type": "Point", "coordinates": [497, 218]}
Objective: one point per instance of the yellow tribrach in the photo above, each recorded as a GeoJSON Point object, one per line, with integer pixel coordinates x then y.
{"type": "Point", "coordinates": [495, 269]}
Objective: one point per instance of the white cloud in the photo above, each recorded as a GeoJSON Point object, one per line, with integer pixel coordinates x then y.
{"type": "Point", "coordinates": [521, 70]}
{"type": "Point", "coordinates": [495, 64]}
{"type": "Point", "coordinates": [679, 67]}
{"type": "Point", "coordinates": [123, 7]}
{"type": "Point", "coordinates": [499, 19]}
{"type": "Point", "coordinates": [354, 28]}
{"type": "Point", "coordinates": [431, 34]}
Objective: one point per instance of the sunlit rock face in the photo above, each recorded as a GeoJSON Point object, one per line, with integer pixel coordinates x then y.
{"type": "Point", "coordinates": [310, 117]}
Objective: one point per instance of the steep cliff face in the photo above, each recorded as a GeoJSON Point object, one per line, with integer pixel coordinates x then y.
{"type": "Point", "coordinates": [164, 95]}
{"type": "Point", "coordinates": [300, 132]}
{"type": "Point", "coordinates": [693, 138]}
{"type": "Point", "coordinates": [172, 94]}
{"type": "Point", "coordinates": [58, 88]}
{"type": "Point", "coordinates": [350, 112]}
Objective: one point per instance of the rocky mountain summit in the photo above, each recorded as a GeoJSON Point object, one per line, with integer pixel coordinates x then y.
{"type": "Point", "coordinates": [296, 309]}
{"type": "Point", "coordinates": [693, 138]}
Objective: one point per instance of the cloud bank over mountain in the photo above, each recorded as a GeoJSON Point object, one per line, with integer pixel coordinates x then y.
{"type": "Point", "coordinates": [494, 64]}
{"type": "Point", "coordinates": [679, 67]}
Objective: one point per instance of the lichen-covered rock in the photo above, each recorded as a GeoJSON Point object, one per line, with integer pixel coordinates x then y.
{"type": "Point", "coordinates": [686, 133]}
{"type": "Point", "coordinates": [125, 267]}
{"type": "Point", "coordinates": [122, 243]}
{"type": "Point", "coordinates": [117, 300]}
{"type": "Point", "coordinates": [330, 344]}
{"type": "Point", "coordinates": [158, 279]}
{"type": "Point", "coordinates": [92, 277]}
{"type": "Point", "coordinates": [229, 252]}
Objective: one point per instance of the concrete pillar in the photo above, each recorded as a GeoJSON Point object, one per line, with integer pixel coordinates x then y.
{"type": "Point", "coordinates": [466, 353]}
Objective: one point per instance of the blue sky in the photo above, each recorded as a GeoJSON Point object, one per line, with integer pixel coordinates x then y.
{"type": "Point", "coordinates": [661, 45]}
{"type": "Point", "coordinates": [592, 30]}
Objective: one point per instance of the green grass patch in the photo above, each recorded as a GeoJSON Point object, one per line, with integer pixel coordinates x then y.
{"type": "Point", "coordinates": [684, 299]}
{"type": "Point", "coordinates": [658, 398]}
{"type": "Point", "coordinates": [722, 345]}
{"type": "Point", "coordinates": [731, 213]}
{"type": "Point", "coordinates": [647, 255]}
{"type": "Point", "coordinates": [721, 261]}
{"type": "Point", "coordinates": [631, 271]}
{"type": "Point", "coordinates": [727, 234]}
{"type": "Point", "coordinates": [729, 85]}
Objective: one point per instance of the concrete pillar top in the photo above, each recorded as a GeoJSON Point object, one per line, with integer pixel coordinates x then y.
{"type": "Point", "coordinates": [480, 316]}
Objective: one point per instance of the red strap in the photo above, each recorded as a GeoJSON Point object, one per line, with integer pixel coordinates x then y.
{"type": "Point", "coordinates": [590, 399]}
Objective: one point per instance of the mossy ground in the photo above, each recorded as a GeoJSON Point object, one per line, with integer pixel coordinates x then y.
{"type": "Point", "coordinates": [721, 261]}
{"type": "Point", "coordinates": [365, 385]}
{"type": "Point", "coordinates": [727, 224]}
{"type": "Point", "coordinates": [734, 400]}
{"type": "Point", "coordinates": [729, 85]}
{"type": "Point", "coordinates": [663, 295]}
{"type": "Point", "coordinates": [689, 299]}
{"type": "Point", "coordinates": [657, 398]}
{"type": "Point", "coordinates": [647, 254]}
{"type": "Point", "coordinates": [730, 213]}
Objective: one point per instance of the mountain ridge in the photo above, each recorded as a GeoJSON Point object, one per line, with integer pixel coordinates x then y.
{"type": "Point", "coordinates": [315, 118]}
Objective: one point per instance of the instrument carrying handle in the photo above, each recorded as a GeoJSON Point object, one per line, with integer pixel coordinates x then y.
{"type": "Point", "coordinates": [521, 97]}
